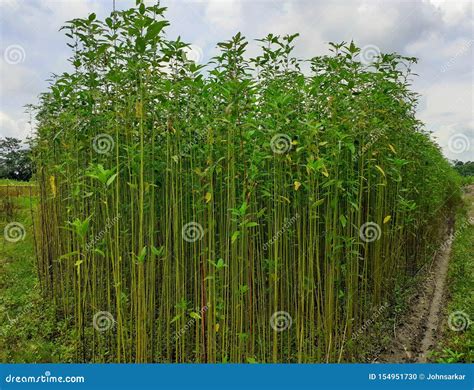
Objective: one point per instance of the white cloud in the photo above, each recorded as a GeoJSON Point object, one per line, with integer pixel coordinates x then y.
{"type": "Point", "coordinates": [224, 14]}
{"type": "Point", "coordinates": [18, 79]}
{"type": "Point", "coordinates": [453, 11]}
{"type": "Point", "coordinates": [17, 127]}
{"type": "Point", "coordinates": [448, 110]}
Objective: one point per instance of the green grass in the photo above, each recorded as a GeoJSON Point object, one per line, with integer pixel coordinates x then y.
{"type": "Point", "coordinates": [4, 182]}
{"type": "Point", "coordinates": [466, 180]}
{"type": "Point", "coordinates": [458, 346]}
{"type": "Point", "coordinates": [29, 332]}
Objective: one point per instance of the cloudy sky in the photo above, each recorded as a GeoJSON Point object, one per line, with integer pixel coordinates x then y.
{"type": "Point", "coordinates": [439, 32]}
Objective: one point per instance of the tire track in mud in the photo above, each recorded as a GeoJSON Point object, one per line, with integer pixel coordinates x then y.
{"type": "Point", "coordinates": [418, 333]}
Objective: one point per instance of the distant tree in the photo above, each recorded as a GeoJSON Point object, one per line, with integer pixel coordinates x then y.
{"type": "Point", "coordinates": [15, 160]}
{"type": "Point", "coordinates": [464, 168]}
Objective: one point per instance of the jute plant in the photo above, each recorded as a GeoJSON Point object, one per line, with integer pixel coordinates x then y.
{"type": "Point", "coordinates": [286, 203]}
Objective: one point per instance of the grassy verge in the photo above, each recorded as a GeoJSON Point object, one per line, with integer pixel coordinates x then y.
{"type": "Point", "coordinates": [9, 182]}
{"type": "Point", "coordinates": [29, 332]}
{"type": "Point", "coordinates": [457, 344]}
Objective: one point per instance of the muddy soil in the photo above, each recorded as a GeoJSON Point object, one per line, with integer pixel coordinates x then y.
{"type": "Point", "coordinates": [417, 333]}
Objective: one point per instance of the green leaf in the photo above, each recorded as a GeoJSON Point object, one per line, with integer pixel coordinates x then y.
{"type": "Point", "coordinates": [380, 169]}
{"type": "Point", "coordinates": [81, 227]}
{"type": "Point", "coordinates": [351, 147]}
{"type": "Point", "coordinates": [343, 220]}
{"type": "Point", "coordinates": [318, 202]}
{"type": "Point", "coordinates": [251, 224]}
{"type": "Point", "coordinates": [140, 44]}
{"type": "Point", "coordinates": [235, 236]}
{"type": "Point", "coordinates": [243, 208]}
{"type": "Point", "coordinates": [111, 179]}
{"type": "Point", "coordinates": [67, 255]}
{"type": "Point", "coordinates": [109, 22]}
{"type": "Point", "coordinates": [157, 251]}
{"type": "Point", "coordinates": [142, 255]}
{"type": "Point", "coordinates": [243, 289]}
{"type": "Point", "coordinates": [97, 250]}
{"type": "Point", "coordinates": [220, 264]}
{"type": "Point", "coordinates": [154, 29]}
{"type": "Point", "coordinates": [195, 315]}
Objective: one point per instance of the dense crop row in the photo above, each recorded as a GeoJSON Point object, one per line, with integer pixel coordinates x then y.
{"type": "Point", "coordinates": [252, 211]}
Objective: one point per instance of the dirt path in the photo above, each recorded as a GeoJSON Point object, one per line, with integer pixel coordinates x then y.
{"type": "Point", "coordinates": [437, 303]}
{"type": "Point", "coordinates": [418, 332]}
